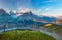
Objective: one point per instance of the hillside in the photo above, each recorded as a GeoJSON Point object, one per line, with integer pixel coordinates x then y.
{"type": "Point", "coordinates": [24, 35]}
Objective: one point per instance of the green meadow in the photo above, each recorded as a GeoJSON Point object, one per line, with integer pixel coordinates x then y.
{"type": "Point", "coordinates": [24, 35]}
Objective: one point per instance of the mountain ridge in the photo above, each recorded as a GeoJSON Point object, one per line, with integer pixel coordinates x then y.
{"type": "Point", "coordinates": [29, 16]}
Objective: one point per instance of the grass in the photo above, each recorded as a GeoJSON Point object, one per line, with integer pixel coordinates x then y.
{"type": "Point", "coordinates": [24, 35]}
{"type": "Point", "coordinates": [54, 27]}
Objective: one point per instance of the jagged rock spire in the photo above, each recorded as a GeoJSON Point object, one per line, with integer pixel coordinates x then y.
{"type": "Point", "coordinates": [1, 10]}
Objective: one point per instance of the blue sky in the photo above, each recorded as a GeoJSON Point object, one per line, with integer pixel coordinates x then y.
{"type": "Point", "coordinates": [39, 7]}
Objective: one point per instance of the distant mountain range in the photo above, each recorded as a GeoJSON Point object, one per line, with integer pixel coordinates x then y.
{"type": "Point", "coordinates": [31, 16]}
{"type": "Point", "coordinates": [26, 17]}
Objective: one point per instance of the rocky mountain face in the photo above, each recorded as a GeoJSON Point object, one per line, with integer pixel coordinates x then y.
{"type": "Point", "coordinates": [26, 18]}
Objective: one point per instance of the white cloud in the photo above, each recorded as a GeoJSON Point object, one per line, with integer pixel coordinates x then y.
{"type": "Point", "coordinates": [55, 12]}
{"type": "Point", "coordinates": [49, 1]}
{"type": "Point", "coordinates": [21, 9]}
{"type": "Point", "coordinates": [39, 11]}
{"type": "Point", "coordinates": [48, 11]}
{"type": "Point", "coordinates": [23, 3]}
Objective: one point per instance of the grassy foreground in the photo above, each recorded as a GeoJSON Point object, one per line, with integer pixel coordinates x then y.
{"type": "Point", "coordinates": [24, 35]}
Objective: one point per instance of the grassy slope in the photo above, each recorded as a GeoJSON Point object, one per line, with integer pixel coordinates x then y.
{"type": "Point", "coordinates": [54, 27]}
{"type": "Point", "coordinates": [25, 35]}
